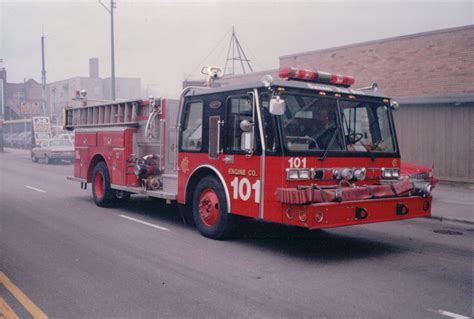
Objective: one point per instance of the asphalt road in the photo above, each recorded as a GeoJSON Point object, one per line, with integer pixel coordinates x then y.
{"type": "Point", "coordinates": [73, 259]}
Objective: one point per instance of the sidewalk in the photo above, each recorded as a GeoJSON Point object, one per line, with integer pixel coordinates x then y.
{"type": "Point", "coordinates": [453, 201]}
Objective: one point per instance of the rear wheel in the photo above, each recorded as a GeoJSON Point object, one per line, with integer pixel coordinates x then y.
{"type": "Point", "coordinates": [104, 196]}
{"type": "Point", "coordinates": [210, 209]}
{"type": "Point", "coordinates": [33, 157]}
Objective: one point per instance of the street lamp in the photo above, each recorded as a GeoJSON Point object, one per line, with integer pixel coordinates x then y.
{"type": "Point", "coordinates": [110, 10]}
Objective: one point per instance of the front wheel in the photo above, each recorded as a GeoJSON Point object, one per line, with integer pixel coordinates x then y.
{"type": "Point", "coordinates": [210, 209]}
{"type": "Point", "coordinates": [104, 196]}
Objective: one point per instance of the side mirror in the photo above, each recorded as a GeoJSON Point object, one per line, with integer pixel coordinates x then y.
{"type": "Point", "coordinates": [277, 106]}
{"type": "Point", "coordinates": [246, 142]}
{"type": "Point", "coordinates": [246, 125]}
{"type": "Point", "coordinates": [394, 105]}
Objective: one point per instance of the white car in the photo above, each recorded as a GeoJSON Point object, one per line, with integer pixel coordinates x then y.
{"type": "Point", "coordinates": [66, 136]}
{"type": "Point", "coordinates": [54, 150]}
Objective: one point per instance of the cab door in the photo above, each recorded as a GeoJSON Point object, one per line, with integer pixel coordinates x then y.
{"type": "Point", "coordinates": [240, 168]}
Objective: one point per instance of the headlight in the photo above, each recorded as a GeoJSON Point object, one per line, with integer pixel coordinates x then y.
{"type": "Point", "coordinates": [395, 173]}
{"type": "Point", "coordinates": [292, 174]}
{"type": "Point", "coordinates": [389, 173]}
{"type": "Point", "coordinates": [304, 174]}
{"type": "Point", "coordinates": [386, 173]}
{"type": "Point", "coordinates": [295, 174]}
{"type": "Point", "coordinates": [359, 174]}
{"type": "Point", "coordinates": [347, 174]}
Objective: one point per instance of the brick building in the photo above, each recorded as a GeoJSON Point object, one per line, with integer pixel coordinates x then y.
{"type": "Point", "coordinates": [431, 74]}
{"type": "Point", "coordinates": [20, 100]}
{"type": "Point", "coordinates": [424, 64]}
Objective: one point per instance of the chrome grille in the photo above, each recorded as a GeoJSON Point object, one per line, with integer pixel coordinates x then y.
{"type": "Point", "coordinates": [420, 176]}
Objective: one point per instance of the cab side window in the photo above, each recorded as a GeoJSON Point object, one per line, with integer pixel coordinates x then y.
{"type": "Point", "coordinates": [238, 109]}
{"type": "Point", "coordinates": [192, 127]}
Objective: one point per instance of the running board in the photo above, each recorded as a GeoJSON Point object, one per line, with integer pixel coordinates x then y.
{"type": "Point", "coordinates": [139, 190]}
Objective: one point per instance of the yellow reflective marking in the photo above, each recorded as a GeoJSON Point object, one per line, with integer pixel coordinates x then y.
{"type": "Point", "coordinates": [6, 312]}
{"type": "Point", "coordinates": [22, 298]}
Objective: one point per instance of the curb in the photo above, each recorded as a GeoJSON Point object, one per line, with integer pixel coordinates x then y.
{"type": "Point", "coordinates": [452, 219]}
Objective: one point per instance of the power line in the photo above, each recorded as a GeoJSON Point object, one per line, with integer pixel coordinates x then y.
{"type": "Point", "coordinates": [204, 60]}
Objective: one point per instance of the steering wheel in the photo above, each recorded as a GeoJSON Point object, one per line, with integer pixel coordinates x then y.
{"type": "Point", "coordinates": [354, 137]}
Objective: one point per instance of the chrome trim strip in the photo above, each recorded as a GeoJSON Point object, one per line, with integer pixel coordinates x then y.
{"type": "Point", "coordinates": [262, 157]}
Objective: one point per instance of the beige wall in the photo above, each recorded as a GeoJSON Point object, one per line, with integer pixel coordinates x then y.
{"type": "Point", "coordinates": [439, 134]}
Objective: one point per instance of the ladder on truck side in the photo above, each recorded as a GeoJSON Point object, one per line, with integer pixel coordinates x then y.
{"type": "Point", "coordinates": [113, 114]}
{"type": "Point", "coordinates": [124, 113]}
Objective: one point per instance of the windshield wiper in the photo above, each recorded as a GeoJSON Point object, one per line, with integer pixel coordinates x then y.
{"type": "Point", "coordinates": [322, 158]}
{"type": "Point", "coordinates": [377, 144]}
{"type": "Point", "coordinates": [372, 155]}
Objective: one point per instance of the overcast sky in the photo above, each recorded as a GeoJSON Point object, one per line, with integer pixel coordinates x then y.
{"type": "Point", "coordinates": [163, 42]}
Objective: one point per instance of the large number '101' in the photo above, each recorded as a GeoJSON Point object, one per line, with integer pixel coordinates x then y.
{"type": "Point", "coordinates": [243, 189]}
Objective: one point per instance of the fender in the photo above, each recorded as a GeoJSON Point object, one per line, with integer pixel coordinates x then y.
{"type": "Point", "coordinates": [221, 178]}
{"type": "Point", "coordinates": [94, 159]}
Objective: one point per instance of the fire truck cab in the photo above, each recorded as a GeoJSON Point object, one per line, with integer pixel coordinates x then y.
{"type": "Point", "coordinates": [303, 150]}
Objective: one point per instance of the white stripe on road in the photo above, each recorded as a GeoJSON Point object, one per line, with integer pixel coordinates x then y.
{"type": "Point", "coordinates": [451, 314]}
{"type": "Point", "coordinates": [35, 189]}
{"type": "Point", "coordinates": [145, 223]}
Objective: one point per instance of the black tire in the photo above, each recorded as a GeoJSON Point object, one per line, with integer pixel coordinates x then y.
{"type": "Point", "coordinates": [104, 196]}
{"type": "Point", "coordinates": [34, 159]}
{"type": "Point", "coordinates": [210, 210]}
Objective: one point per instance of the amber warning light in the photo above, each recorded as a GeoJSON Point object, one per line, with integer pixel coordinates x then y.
{"type": "Point", "coordinates": [316, 76]}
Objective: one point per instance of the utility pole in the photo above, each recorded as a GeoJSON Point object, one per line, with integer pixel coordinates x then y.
{"type": "Point", "coordinates": [43, 78]}
{"type": "Point", "coordinates": [110, 10]}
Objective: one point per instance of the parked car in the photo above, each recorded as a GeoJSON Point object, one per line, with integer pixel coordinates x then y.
{"type": "Point", "coordinates": [55, 150]}
{"type": "Point", "coordinates": [66, 136]}
{"type": "Point", "coordinates": [418, 173]}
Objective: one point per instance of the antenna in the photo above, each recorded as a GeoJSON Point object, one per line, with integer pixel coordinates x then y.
{"type": "Point", "coordinates": [236, 53]}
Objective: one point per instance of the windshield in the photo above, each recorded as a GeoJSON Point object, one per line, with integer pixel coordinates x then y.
{"type": "Point", "coordinates": [367, 127]}
{"type": "Point", "coordinates": [60, 143]}
{"type": "Point", "coordinates": [317, 123]}
{"type": "Point", "coordinates": [310, 123]}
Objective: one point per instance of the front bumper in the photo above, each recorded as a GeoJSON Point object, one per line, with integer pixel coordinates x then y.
{"type": "Point", "coordinates": [62, 156]}
{"type": "Point", "coordinates": [338, 214]}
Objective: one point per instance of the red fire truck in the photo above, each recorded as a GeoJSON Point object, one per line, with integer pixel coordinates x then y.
{"type": "Point", "coordinates": [304, 150]}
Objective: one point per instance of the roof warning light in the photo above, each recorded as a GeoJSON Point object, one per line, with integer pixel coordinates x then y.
{"type": "Point", "coordinates": [316, 76]}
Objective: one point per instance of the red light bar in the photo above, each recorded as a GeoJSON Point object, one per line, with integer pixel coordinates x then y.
{"type": "Point", "coordinates": [316, 76]}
